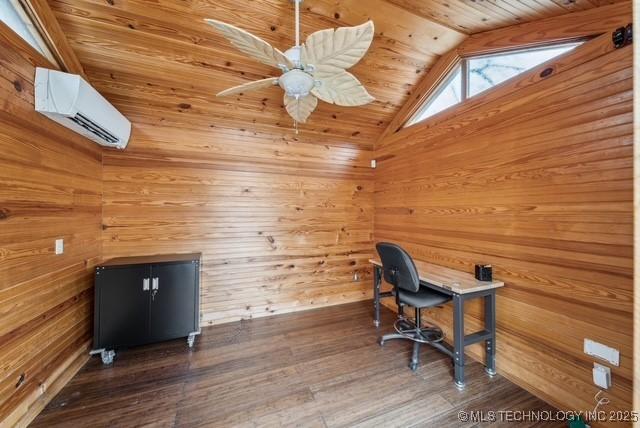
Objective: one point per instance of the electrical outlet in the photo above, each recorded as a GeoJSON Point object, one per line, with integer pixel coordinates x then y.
{"type": "Point", "coordinates": [601, 376]}
{"type": "Point", "coordinates": [59, 246]}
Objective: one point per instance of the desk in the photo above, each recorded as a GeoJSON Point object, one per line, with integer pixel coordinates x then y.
{"type": "Point", "coordinates": [461, 286]}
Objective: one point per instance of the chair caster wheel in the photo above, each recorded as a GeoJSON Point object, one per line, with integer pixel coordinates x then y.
{"type": "Point", "coordinates": [380, 341]}
{"type": "Point", "coordinates": [413, 366]}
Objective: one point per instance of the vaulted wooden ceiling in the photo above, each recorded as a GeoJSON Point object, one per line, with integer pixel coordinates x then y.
{"type": "Point", "coordinates": [157, 59]}
{"type": "Point", "coordinates": [475, 16]}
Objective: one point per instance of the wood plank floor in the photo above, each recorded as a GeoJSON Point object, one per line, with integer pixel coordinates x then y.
{"type": "Point", "coordinates": [318, 368]}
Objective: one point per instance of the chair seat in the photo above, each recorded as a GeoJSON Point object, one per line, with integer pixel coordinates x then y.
{"type": "Point", "coordinates": [423, 298]}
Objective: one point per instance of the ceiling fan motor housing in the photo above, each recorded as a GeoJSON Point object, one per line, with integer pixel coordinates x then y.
{"type": "Point", "coordinates": [295, 55]}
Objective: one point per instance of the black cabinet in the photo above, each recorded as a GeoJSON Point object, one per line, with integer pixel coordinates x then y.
{"type": "Point", "coordinates": [140, 300]}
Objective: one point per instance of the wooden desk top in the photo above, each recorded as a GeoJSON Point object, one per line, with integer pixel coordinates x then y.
{"type": "Point", "coordinates": [450, 279]}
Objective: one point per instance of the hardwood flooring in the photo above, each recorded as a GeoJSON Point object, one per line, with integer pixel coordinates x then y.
{"type": "Point", "coordinates": [317, 368]}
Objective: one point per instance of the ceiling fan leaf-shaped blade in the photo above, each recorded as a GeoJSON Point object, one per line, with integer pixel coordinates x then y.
{"type": "Point", "coordinates": [334, 50]}
{"type": "Point", "coordinates": [249, 86]}
{"type": "Point", "coordinates": [251, 45]}
{"type": "Point", "coordinates": [342, 89]}
{"type": "Point", "coordinates": [300, 109]}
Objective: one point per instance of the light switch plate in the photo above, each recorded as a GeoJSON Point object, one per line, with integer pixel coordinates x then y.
{"type": "Point", "coordinates": [604, 352]}
{"type": "Point", "coordinates": [59, 246]}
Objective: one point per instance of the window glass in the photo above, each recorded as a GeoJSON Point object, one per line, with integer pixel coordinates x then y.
{"type": "Point", "coordinates": [12, 14]}
{"type": "Point", "coordinates": [488, 71]}
{"type": "Point", "coordinates": [449, 94]}
{"type": "Point", "coordinates": [482, 73]}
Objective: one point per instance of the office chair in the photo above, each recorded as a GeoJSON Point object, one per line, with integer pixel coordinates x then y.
{"type": "Point", "coordinates": [400, 271]}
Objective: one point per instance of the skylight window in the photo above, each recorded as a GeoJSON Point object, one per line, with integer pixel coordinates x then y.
{"type": "Point", "coordinates": [15, 17]}
{"type": "Point", "coordinates": [481, 73]}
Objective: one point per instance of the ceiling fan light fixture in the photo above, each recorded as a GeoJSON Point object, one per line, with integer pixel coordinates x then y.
{"type": "Point", "coordinates": [296, 83]}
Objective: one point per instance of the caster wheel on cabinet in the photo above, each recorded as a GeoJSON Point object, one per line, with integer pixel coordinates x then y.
{"type": "Point", "coordinates": [107, 357]}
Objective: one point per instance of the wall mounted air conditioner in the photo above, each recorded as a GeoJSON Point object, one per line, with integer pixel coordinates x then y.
{"type": "Point", "coordinates": [72, 102]}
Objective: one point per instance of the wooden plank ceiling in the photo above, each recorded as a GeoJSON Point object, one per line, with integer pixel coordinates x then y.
{"type": "Point", "coordinates": [475, 16]}
{"type": "Point", "coordinates": [165, 44]}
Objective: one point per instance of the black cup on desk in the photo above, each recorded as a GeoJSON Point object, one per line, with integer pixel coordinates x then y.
{"type": "Point", "coordinates": [484, 273]}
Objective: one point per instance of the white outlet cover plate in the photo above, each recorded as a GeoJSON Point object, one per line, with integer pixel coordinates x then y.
{"type": "Point", "coordinates": [604, 352]}
{"type": "Point", "coordinates": [59, 246]}
{"type": "Point", "coordinates": [601, 376]}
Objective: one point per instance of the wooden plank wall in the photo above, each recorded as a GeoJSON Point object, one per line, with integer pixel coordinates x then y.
{"type": "Point", "coordinates": [50, 187]}
{"type": "Point", "coordinates": [636, 210]}
{"type": "Point", "coordinates": [283, 222]}
{"type": "Point", "coordinates": [537, 182]}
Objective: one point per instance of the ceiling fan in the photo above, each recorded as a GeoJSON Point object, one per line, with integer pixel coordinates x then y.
{"type": "Point", "coordinates": [315, 69]}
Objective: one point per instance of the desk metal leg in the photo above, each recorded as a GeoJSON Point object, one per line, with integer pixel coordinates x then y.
{"type": "Point", "coordinates": [490, 326]}
{"type": "Point", "coordinates": [458, 339]}
{"type": "Point", "coordinates": [377, 279]}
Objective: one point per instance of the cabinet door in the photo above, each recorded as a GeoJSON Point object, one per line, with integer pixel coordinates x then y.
{"type": "Point", "coordinates": [122, 307]}
{"type": "Point", "coordinates": [173, 302]}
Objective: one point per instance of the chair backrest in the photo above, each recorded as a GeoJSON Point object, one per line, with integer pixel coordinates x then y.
{"type": "Point", "coordinates": [398, 267]}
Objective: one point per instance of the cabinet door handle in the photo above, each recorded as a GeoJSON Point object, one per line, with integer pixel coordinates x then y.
{"type": "Point", "coordinates": [145, 284]}
{"type": "Point", "coordinates": [155, 283]}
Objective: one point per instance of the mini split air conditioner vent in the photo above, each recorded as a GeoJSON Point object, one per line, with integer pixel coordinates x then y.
{"type": "Point", "coordinates": [72, 102]}
{"type": "Point", "coordinates": [95, 129]}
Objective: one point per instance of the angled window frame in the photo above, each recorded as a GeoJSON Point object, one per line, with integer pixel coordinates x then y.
{"type": "Point", "coordinates": [39, 40]}
{"type": "Point", "coordinates": [462, 63]}
{"type": "Point", "coordinates": [437, 92]}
